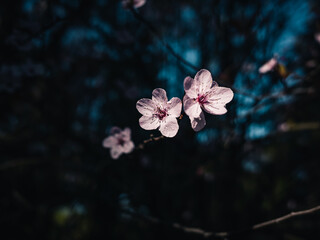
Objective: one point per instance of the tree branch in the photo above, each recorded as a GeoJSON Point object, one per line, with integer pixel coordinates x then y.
{"type": "Point", "coordinates": [151, 139]}
{"type": "Point", "coordinates": [207, 234]}
{"type": "Point", "coordinates": [285, 217]}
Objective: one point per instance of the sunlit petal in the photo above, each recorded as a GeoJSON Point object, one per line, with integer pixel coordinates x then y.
{"type": "Point", "coordinates": [217, 98]}
{"type": "Point", "coordinates": [174, 107]}
{"type": "Point", "coordinates": [146, 106]}
{"type": "Point", "coordinates": [190, 87]}
{"type": "Point", "coordinates": [203, 81]}
{"type": "Point", "coordinates": [192, 107]}
{"type": "Point", "coordinates": [149, 123]}
{"type": "Point", "coordinates": [169, 127]}
{"type": "Point", "coordinates": [159, 96]}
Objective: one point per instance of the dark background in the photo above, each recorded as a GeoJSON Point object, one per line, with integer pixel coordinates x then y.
{"type": "Point", "coordinates": [71, 70]}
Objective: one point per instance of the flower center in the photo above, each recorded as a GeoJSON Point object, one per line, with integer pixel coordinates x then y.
{"type": "Point", "coordinates": [121, 141]}
{"type": "Point", "coordinates": [161, 113]}
{"type": "Point", "coordinates": [201, 99]}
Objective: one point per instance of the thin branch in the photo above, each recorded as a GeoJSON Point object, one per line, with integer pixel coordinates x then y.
{"type": "Point", "coordinates": [285, 217]}
{"type": "Point", "coordinates": [154, 139]}
{"type": "Point", "coordinates": [207, 234]}
{"type": "Point", "coordinates": [151, 139]}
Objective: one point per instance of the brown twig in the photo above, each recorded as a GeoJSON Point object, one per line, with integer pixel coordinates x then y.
{"type": "Point", "coordinates": [207, 234]}
{"type": "Point", "coordinates": [285, 217]}
{"type": "Point", "coordinates": [151, 139]}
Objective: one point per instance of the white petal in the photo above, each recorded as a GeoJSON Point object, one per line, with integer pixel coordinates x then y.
{"type": "Point", "coordinates": [169, 127]}
{"type": "Point", "coordinates": [220, 95]}
{"type": "Point", "coordinates": [128, 147]}
{"type": "Point", "coordinates": [191, 107]}
{"type": "Point", "coordinates": [190, 87]}
{"type": "Point", "coordinates": [159, 96]}
{"type": "Point", "coordinates": [109, 142]}
{"type": "Point", "coordinates": [198, 123]}
{"type": "Point", "coordinates": [268, 66]}
{"type": "Point", "coordinates": [203, 80]}
{"type": "Point", "coordinates": [174, 107]}
{"type": "Point", "coordinates": [146, 106]}
{"type": "Point", "coordinates": [217, 98]}
{"type": "Point", "coordinates": [116, 152]}
{"type": "Point", "coordinates": [149, 123]}
{"type": "Point", "coordinates": [214, 109]}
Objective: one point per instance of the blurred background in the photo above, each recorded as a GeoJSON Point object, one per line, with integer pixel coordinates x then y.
{"type": "Point", "coordinates": [72, 69]}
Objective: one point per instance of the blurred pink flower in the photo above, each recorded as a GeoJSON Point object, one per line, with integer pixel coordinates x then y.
{"type": "Point", "coordinates": [133, 3]}
{"type": "Point", "coordinates": [317, 37]}
{"type": "Point", "coordinates": [119, 142]}
{"type": "Point", "coordinates": [203, 93]}
{"type": "Point", "coordinates": [159, 113]}
{"type": "Point", "coordinates": [268, 66]}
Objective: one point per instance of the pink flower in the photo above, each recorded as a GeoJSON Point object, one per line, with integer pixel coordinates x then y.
{"type": "Point", "coordinates": [133, 3]}
{"type": "Point", "coordinates": [203, 93]}
{"type": "Point", "coordinates": [268, 66]}
{"type": "Point", "coordinates": [159, 113]}
{"type": "Point", "coordinates": [119, 142]}
{"type": "Point", "coordinates": [317, 37]}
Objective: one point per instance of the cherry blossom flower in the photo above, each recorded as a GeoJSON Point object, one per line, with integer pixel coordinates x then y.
{"type": "Point", "coordinates": [268, 66]}
{"type": "Point", "coordinates": [133, 3]}
{"type": "Point", "coordinates": [159, 113]}
{"type": "Point", "coordinates": [119, 142]}
{"type": "Point", "coordinates": [203, 93]}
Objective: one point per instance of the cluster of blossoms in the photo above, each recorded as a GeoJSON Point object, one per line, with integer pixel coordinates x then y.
{"type": "Point", "coordinates": [202, 93]}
